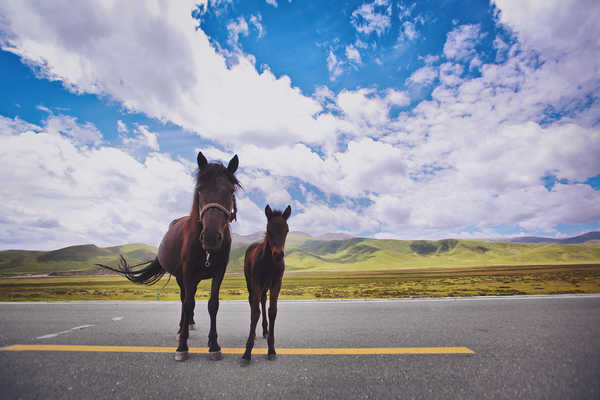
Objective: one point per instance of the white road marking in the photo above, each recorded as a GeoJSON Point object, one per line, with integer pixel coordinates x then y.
{"type": "Point", "coordinates": [117, 318]}
{"type": "Point", "coordinates": [76, 328]}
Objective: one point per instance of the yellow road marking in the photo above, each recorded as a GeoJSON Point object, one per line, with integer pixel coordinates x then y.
{"type": "Point", "coordinates": [231, 350]}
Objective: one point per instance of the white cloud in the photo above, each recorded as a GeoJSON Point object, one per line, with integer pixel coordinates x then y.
{"type": "Point", "coordinates": [320, 218]}
{"type": "Point", "coordinates": [372, 17]}
{"type": "Point", "coordinates": [250, 217]}
{"type": "Point", "coordinates": [85, 134]}
{"type": "Point", "coordinates": [353, 54]}
{"type": "Point", "coordinates": [9, 126]}
{"type": "Point", "coordinates": [450, 74]}
{"type": "Point", "coordinates": [553, 26]}
{"type": "Point", "coordinates": [397, 97]}
{"type": "Point", "coordinates": [323, 93]}
{"type": "Point", "coordinates": [334, 66]}
{"type": "Point", "coordinates": [121, 127]}
{"type": "Point", "coordinates": [272, 187]}
{"type": "Point", "coordinates": [236, 28]}
{"type": "Point", "coordinates": [461, 41]}
{"type": "Point", "coordinates": [143, 139]}
{"type": "Point", "coordinates": [170, 72]}
{"type": "Point", "coordinates": [272, 2]}
{"type": "Point", "coordinates": [409, 30]}
{"type": "Point", "coordinates": [57, 193]}
{"type": "Point", "coordinates": [565, 36]}
{"type": "Point", "coordinates": [424, 75]}
{"type": "Point", "coordinates": [255, 20]}
{"type": "Point", "coordinates": [472, 155]}
{"type": "Point", "coordinates": [363, 107]}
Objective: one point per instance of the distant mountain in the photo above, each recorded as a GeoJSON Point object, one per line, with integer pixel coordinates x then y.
{"type": "Point", "coordinates": [335, 236]}
{"type": "Point", "coordinates": [244, 240]}
{"type": "Point", "coordinates": [259, 236]}
{"type": "Point", "coordinates": [306, 253]}
{"type": "Point", "coordinates": [237, 239]}
{"type": "Point", "coordinates": [586, 237]}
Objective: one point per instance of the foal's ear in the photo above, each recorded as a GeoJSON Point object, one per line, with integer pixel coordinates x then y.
{"type": "Point", "coordinates": [268, 212]}
{"type": "Point", "coordinates": [233, 164]}
{"type": "Point", "coordinates": [287, 212]}
{"type": "Point", "coordinates": [201, 160]}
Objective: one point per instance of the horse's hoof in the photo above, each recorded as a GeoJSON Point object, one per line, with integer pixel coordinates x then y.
{"type": "Point", "coordinates": [265, 335]}
{"type": "Point", "coordinates": [181, 355]}
{"type": "Point", "coordinates": [272, 357]}
{"type": "Point", "coordinates": [215, 355]}
{"type": "Point", "coordinates": [244, 362]}
{"type": "Point", "coordinates": [192, 327]}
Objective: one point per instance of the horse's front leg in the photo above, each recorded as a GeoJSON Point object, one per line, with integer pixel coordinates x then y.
{"type": "Point", "coordinates": [254, 300]}
{"type": "Point", "coordinates": [272, 315]}
{"type": "Point", "coordinates": [213, 307]}
{"type": "Point", "coordinates": [187, 312]}
{"type": "Point", "coordinates": [263, 301]}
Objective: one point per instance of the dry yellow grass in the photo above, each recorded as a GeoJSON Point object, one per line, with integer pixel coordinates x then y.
{"type": "Point", "coordinates": [319, 285]}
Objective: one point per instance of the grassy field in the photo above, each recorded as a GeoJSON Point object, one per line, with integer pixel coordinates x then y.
{"type": "Point", "coordinates": [483, 281]}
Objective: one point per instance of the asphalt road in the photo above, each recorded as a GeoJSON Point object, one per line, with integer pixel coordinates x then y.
{"type": "Point", "coordinates": [525, 347]}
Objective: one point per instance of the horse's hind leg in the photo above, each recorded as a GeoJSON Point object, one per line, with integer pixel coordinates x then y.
{"type": "Point", "coordinates": [213, 307]}
{"type": "Point", "coordinates": [263, 302]}
{"type": "Point", "coordinates": [182, 298]}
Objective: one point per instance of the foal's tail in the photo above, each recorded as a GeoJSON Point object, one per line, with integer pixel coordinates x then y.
{"type": "Point", "coordinates": [148, 275]}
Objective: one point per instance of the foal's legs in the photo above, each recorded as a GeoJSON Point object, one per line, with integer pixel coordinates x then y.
{"type": "Point", "coordinates": [213, 308]}
{"type": "Point", "coordinates": [272, 315]}
{"type": "Point", "coordinates": [254, 300]}
{"type": "Point", "coordinates": [263, 301]}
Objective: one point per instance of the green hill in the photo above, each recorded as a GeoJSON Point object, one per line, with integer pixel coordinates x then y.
{"type": "Point", "coordinates": [373, 254]}
{"type": "Point", "coordinates": [304, 253]}
{"type": "Point", "coordinates": [73, 258]}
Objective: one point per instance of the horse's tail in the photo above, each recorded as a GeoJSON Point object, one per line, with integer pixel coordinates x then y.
{"type": "Point", "coordinates": [148, 275]}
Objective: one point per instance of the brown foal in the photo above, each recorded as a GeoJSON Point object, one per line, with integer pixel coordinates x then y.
{"type": "Point", "coordinates": [264, 267]}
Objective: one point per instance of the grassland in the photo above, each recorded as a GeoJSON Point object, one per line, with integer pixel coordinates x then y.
{"type": "Point", "coordinates": [324, 285]}
{"type": "Point", "coordinates": [317, 269]}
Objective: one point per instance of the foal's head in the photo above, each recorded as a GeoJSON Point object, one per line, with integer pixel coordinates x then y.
{"type": "Point", "coordinates": [215, 186]}
{"type": "Point", "coordinates": [277, 230]}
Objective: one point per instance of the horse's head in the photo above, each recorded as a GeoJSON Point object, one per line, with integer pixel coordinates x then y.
{"type": "Point", "coordinates": [215, 187]}
{"type": "Point", "coordinates": [277, 230]}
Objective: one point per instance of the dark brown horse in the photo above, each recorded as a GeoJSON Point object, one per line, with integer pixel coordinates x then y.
{"type": "Point", "coordinates": [264, 267]}
{"type": "Point", "coordinates": [196, 247]}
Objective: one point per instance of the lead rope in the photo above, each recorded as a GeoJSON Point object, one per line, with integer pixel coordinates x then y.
{"type": "Point", "coordinates": [233, 216]}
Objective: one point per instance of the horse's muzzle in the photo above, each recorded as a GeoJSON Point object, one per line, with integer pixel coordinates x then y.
{"type": "Point", "coordinates": [211, 241]}
{"type": "Point", "coordinates": [278, 256]}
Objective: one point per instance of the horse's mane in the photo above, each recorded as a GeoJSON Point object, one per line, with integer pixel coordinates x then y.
{"type": "Point", "coordinates": [211, 171]}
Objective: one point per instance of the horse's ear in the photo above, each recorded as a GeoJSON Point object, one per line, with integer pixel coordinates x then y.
{"type": "Point", "coordinates": [268, 212]}
{"type": "Point", "coordinates": [201, 160]}
{"type": "Point", "coordinates": [287, 212]}
{"type": "Point", "coordinates": [233, 164]}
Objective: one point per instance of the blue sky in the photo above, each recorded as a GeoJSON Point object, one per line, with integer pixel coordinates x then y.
{"type": "Point", "coordinates": [383, 118]}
